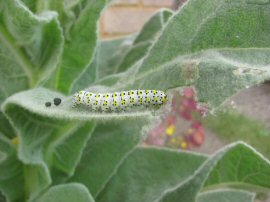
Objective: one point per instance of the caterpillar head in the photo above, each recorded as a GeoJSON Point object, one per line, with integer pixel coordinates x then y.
{"type": "Point", "coordinates": [76, 99]}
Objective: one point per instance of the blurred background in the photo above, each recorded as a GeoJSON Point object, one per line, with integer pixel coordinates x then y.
{"type": "Point", "coordinates": [125, 17]}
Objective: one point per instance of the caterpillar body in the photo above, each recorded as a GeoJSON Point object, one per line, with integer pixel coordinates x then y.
{"type": "Point", "coordinates": [119, 100]}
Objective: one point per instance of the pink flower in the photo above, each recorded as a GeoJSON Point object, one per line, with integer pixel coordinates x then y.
{"type": "Point", "coordinates": [198, 138]}
{"type": "Point", "coordinates": [171, 119]}
{"type": "Point", "coordinates": [189, 104]}
{"type": "Point", "coordinates": [188, 92]}
{"type": "Point", "coordinates": [186, 115]}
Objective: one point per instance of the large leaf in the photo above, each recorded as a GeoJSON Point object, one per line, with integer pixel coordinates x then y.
{"type": "Point", "coordinates": [147, 172]}
{"type": "Point", "coordinates": [30, 47]}
{"type": "Point", "coordinates": [34, 101]}
{"type": "Point", "coordinates": [66, 193]}
{"type": "Point", "coordinates": [225, 195]}
{"type": "Point", "coordinates": [235, 164]}
{"type": "Point", "coordinates": [80, 43]}
{"type": "Point", "coordinates": [11, 172]}
{"type": "Point", "coordinates": [141, 177]}
{"type": "Point", "coordinates": [50, 148]}
{"type": "Point", "coordinates": [50, 140]}
{"type": "Point", "coordinates": [234, 36]}
{"type": "Point", "coordinates": [110, 144]}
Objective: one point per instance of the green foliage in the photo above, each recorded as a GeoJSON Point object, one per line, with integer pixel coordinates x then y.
{"type": "Point", "coordinates": [66, 192]}
{"type": "Point", "coordinates": [50, 49]}
{"type": "Point", "coordinates": [232, 126]}
{"type": "Point", "coordinates": [226, 195]}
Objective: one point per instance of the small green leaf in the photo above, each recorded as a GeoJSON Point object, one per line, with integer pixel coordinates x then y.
{"type": "Point", "coordinates": [67, 193]}
{"type": "Point", "coordinates": [225, 195]}
{"type": "Point", "coordinates": [147, 172]}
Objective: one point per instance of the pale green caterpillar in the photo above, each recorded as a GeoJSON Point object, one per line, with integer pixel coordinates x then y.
{"type": "Point", "coordinates": [119, 100]}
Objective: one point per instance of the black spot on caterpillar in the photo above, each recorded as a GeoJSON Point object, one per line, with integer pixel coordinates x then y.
{"type": "Point", "coordinates": [119, 100]}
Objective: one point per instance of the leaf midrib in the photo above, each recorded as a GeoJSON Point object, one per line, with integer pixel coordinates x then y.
{"type": "Point", "coordinates": [182, 58]}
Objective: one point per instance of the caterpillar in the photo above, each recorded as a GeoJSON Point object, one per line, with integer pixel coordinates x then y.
{"type": "Point", "coordinates": [119, 100]}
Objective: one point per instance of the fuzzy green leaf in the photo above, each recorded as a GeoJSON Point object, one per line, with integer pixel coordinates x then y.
{"type": "Point", "coordinates": [232, 34]}
{"type": "Point", "coordinates": [147, 172]}
{"type": "Point", "coordinates": [225, 195]}
{"type": "Point", "coordinates": [235, 164]}
{"type": "Point", "coordinates": [50, 148]}
{"type": "Point", "coordinates": [109, 146]}
{"type": "Point", "coordinates": [30, 47]}
{"type": "Point", "coordinates": [51, 140]}
{"type": "Point", "coordinates": [79, 44]}
{"type": "Point", "coordinates": [11, 172]}
{"type": "Point", "coordinates": [67, 193]}
{"type": "Point", "coordinates": [34, 101]}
